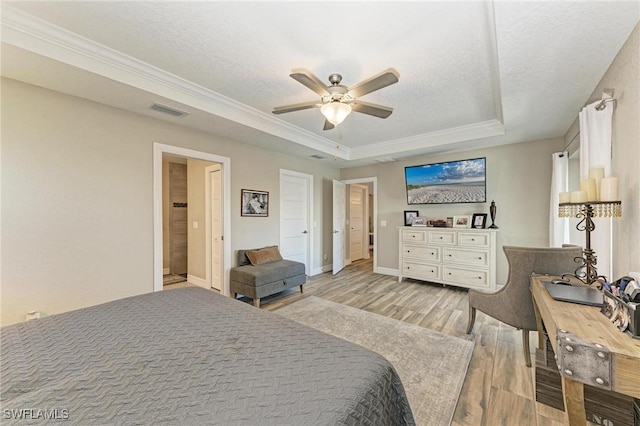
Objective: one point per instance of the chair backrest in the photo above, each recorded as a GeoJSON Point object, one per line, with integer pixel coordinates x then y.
{"type": "Point", "coordinates": [524, 261]}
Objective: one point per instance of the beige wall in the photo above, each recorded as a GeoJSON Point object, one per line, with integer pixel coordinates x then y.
{"type": "Point", "coordinates": [77, 189]}
{"type": "Point", "coordinates": [624, 76]}
{"type": "Point", "coordinates": [518, 179]}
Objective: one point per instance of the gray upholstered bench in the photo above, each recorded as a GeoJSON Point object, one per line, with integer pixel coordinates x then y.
{"type": "Point", "coordinates": [264, 279]}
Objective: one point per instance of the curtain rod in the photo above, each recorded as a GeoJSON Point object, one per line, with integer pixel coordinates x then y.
{"type": "Point", "coordinates": [569, 144]}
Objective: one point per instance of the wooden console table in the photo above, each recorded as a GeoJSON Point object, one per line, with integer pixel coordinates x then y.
{"type": "Point", "coordinates": [602, 356]}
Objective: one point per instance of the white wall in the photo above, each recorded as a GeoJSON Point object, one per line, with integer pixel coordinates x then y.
{"type": "Point", "coordinates": [77, 187]}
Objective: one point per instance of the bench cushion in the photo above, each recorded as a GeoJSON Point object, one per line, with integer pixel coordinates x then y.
{"type": "Point", "coordinates": [257, 275]}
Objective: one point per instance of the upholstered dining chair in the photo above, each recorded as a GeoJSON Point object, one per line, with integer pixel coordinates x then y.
{"type": "Point", "coordinates": [513, 304]}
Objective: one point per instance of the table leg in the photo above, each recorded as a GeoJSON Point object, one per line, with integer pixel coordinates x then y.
{"type": "Point", "coordinates": [573, 395]}
{"type": "Point", "coordinates": [540, 325]}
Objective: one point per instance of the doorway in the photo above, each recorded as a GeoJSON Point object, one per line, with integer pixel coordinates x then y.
{"type": "Point", "coordinates": [223, 203]}
{"type": "Point", "coordinates": [341, 189]}
{"type": "Point", "coordinates": [175, 235]}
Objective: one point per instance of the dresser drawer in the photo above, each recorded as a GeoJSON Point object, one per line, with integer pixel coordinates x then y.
{"type": "Point", "coordinates": [416, 236]}
{"type": "Point", "coordinates": [442, 237]}
{"type": "Point", "coordinates": [421, 271]}
{"type": "Point", "coordinates": [465, 276]}
{"type": "Point", "coordinates": [468, 257]}
{"type": "Point", "coordinates": [474, 239]}
{"type": "Point", "coordinates": [426, 254]}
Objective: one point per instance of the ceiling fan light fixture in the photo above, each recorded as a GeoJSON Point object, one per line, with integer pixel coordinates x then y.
{"type": "Point", "coordinates": [335, 112]}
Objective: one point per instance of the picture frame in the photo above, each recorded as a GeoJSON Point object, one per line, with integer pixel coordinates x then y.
{"type": "Point", "coordinates": [254, 203]}
{"type": "Point", "coordinates": [462, 221]}
{"type": "Point", "coordinates": [479, 220]}
{"type": "Point", "coordinates": [409, 215]}
{"type": "Point", "coordinates": [418, 221]}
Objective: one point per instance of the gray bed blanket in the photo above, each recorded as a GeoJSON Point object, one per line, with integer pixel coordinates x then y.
{"type": "Point", "coordinates": [190, 356]}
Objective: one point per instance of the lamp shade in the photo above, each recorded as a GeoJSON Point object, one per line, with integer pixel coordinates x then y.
{"type": "Point", "coordinates": [335, 112]}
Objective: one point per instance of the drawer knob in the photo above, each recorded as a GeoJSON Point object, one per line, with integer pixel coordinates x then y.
{"type": "Point", "coordinates": [413, 236]}
{"type": "Point", "coordinates": [432, 271]}
{"type": "Point", "coordinates": [480, 258]}
{"type": "Point", "coordinates": [479, 278]}
{"type": "Point", "coordinates": [440, 237]}
{"type": "Point", "coordinates": [473, 239]}
{"type": "Point", "coordinates": [449, 273]}
{"type": "Point", "coordinates": [408, 251]}
{"type": "Point", "coordinates": [432, 254]}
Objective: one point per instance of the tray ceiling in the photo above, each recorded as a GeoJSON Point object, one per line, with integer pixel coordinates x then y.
{"type": "Point", "coordinates": [472, 74]}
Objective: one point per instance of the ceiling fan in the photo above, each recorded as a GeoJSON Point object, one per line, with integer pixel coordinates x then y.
{"type": "Point", "coordinates": [337, 101]}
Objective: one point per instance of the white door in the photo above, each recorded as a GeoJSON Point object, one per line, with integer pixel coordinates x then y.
{"type": "Point", "coordinates": [339, 224]}
{"type": "Point", "coordinates": [295, 213]}
{"type": "Point", "coordinates": [216, 229]}
{"type": "Point", "coordinates": [357, 200]}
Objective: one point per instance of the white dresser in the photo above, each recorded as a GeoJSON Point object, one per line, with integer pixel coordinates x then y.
{"type": "Point", "coordinates": [455, 256]}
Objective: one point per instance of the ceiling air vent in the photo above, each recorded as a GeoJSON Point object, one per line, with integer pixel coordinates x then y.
{"type": "Point", "coordinates": [168, 110]}
{"type": "Point", "coordinates": [385, 159]}
{"type": "Point", "coordinates": [317, 157]}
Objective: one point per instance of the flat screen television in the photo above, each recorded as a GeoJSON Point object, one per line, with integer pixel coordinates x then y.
{"type": "Point", "coordinates": [462, 181]}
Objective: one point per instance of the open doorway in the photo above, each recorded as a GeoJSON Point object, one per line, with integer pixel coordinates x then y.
{"type": "Point", "coordinates": [207, 224]}
{"type": "Point", "coordinates": [361, 195]}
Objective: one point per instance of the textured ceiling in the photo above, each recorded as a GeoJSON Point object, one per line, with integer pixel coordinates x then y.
{"type": "Point", "coordinates": [470, 72]}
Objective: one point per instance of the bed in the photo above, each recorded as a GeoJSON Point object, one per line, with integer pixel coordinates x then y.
{"type": "Point", "coordinates": [190, 356]}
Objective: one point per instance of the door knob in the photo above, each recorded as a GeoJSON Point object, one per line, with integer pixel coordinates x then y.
{"type": "Point", "coordinates": [335, 232]}
{"type": "Point", "coordinates": [305, 232]}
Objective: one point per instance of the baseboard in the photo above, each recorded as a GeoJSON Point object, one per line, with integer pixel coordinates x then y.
{"type": "Point", "coordinates": [197, 281]}
{"type": "Point", "coordinates": [166, 271]}
{"type": "Point", "coordinates": [387, 271]}
{"type": "Point", "coordinates": [321, 270]}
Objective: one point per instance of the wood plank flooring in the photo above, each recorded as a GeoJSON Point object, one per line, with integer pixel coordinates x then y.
{"type": "Point", "coordinates": [499, 388]}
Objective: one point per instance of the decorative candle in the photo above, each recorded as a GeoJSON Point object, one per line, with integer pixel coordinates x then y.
{"type": "Point", "coordinates": [578, 197]}
{"type": "Point", "coordinates": [609, 189]}
{"type": "Point", "coordinates": [597, 173]}
{"type": "Point", "coordinates": [564, 197]}
{"type": "Point", "coordinates": [589, 186]}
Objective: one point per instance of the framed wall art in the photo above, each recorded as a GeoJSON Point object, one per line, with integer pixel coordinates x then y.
{"type": "Point", "coordinates": [254, 203]}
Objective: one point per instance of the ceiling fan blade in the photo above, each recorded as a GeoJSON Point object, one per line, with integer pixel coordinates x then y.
{"type": "Point", "coordinates": [295, 107]}
{"type": "Point", "coordinates": [328, 125]}
{"type": "Point", "coordinates": [378, 81]}
{"type": "Point", "coordinates": [379, 111]}
{"type": "Point", "coordinates": [306, 78]}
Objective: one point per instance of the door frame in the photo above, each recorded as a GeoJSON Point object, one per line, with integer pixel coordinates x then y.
{"type": "Point", "coordinates": [225, 164]}
{"type": "Point", "coordinates": [374, 192]}
{"type": "Point", "coordinates": [208, 214]}
{"type": "Point", "coordinates": [309, 183]}
{"type": "Point", "coordinates": [365, 223]}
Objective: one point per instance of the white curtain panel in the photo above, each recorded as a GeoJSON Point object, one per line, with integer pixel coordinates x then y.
{"type": "Point", "coordinates": [595, 151]}
{"type": "Point", "coordinates": [558, 226]}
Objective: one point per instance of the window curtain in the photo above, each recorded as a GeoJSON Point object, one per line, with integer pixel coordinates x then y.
{"type": "Point", "coordinates": [595, 151]}
{"type": "Point", "coordinates": [558, 226]}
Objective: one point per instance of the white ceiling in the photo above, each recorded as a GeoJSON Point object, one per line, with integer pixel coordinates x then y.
{"type": "Point", "coordinates": [472, 74]}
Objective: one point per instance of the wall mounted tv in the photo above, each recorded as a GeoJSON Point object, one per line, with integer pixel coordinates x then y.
{"type": "Point", "coordinates": [462, 181]}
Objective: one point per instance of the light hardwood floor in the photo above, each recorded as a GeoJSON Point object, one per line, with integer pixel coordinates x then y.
{"type": "Point", "coordinates": [499, 388]}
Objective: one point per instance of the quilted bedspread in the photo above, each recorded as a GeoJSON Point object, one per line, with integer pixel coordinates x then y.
{"type": "Point", "coordinates": [190, 356]}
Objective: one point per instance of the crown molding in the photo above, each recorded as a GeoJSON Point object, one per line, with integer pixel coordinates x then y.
{"type": "Point", "coordinates": [429, 140]}
{"type": "Point", "coordinates": [27, 32]}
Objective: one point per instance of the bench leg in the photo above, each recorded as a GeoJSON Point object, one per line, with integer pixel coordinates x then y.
{"type": "Point", "coordinates": [301, 290]}
{"type": "Point", "coordinates": [256, 302]}
{"type": "Point", "coordinates": [235, 295]}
